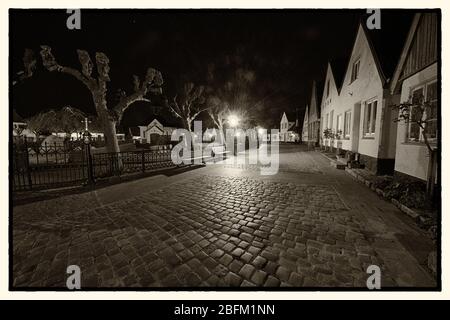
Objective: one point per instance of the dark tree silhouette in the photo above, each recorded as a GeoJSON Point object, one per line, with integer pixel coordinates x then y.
{"type": "Point", "coordinates": [98, 87]}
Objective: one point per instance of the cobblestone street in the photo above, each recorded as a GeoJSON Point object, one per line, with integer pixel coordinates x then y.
{"type": "Point", "coordinates": [219, 226]}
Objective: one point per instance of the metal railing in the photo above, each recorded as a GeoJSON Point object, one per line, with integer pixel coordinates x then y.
{"type": "Point", "coordinates": [50, 165]}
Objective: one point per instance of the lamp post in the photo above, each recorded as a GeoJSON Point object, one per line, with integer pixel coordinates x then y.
{"type": "Point", "coordinates": [87, 149]}
{"type": "Point", "coordinates": [233, 121]}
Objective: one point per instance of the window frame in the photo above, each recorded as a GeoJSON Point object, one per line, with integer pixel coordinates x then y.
{"type": "Point", "coordinates": [339, 124]}
{"type": "Point", "coordinates": [331, 119]}
{"type": "Point", "coordinates": [355, 75]}
{"type": "Point", "coordinates": [370, 128]}
{"type": "Point", "coordinates": [424, 87]}
{"type": "Point", "coordinates": [347, 121]}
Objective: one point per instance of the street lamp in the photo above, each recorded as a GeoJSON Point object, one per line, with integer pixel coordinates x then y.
{"type": "Point", "coordinates": [233, 120]}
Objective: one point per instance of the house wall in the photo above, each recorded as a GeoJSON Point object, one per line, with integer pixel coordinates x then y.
{"type": "Point", "coordinates": [376, 151]}
{"type": "Point", "coordinates": [328, 104]}
{"type": "Point", "coordinates": [284, 124]}
{"type": "Point", "coordinates": [412, 158]}
{"type": "Point", "coordinates": [355, 94]}
{"type": "Point", "coordinates": [305, 126]}
{"type": "Point", "coordinates": [142, 131]}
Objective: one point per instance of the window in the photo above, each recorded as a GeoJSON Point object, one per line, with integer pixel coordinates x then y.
{"type": "Point", "coordinates": [347, 121]}
{"type": "Point", "coordinates": [331, 119]}
{"type": "Point", "coordinates": [339, 125]}
{"type": "Point", "coordinates": [428, 114]}
{"type": "Point", "coordinates": [370, 116]}
{"type": "Point", "coordinates": [328, 88]}
{"type": "Point", "coordinates": [431, 126]}
{"type": "Point", "coordinates": [326, 121]}
{"type": "Point", "coordinates": [355, 70]}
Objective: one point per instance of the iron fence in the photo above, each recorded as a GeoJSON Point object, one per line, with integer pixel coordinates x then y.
{"type": "Point", "coordinates": [43, 166]}
{"type": "Point", "coordinates": [37, 166]}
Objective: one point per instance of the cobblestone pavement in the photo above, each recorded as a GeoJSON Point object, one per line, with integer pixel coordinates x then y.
{"type": "Point", "coordinates": [202, 231]}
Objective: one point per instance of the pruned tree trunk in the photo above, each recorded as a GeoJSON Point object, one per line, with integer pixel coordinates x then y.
{"type": "Point", "coordinates": [98, 88]}
{"type": "Point", "coordinates": [109, 130]}
{"type": "Point", "coordinates": [432, 162]}
{"type": "Point", "coordinates": [431, 174]}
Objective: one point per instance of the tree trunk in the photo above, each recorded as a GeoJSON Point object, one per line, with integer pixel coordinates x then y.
{"type": "Point", "coordinates": [431, 174]}
{"type": "Point", "coordinates": [109, 126]}
{"type": "Point", "coordinates": [109, 129]}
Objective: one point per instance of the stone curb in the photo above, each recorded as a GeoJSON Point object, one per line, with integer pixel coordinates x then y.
{"type": "Point", "coordinates": [416, 216]}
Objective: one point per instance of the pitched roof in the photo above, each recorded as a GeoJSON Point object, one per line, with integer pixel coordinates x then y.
{"type": "Point", "coordinates": [314, 110]}
{"type": "Point", "coordinates": [387, 43]}
{"type": "Point", "coordinates": [408, 46]}
{"type": "Point", "coordinates": [291, 124]}
{"type": "Point", "coordinates": [142, 115]}
{"type": "Point", "coordinates": [290, 115]}
{"type": "Point", "coordinates": [306, 115]}
{"type": "Point", "coordinates": [164, 120]}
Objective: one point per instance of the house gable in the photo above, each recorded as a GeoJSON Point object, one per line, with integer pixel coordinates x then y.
{"type": "Point", "coordinates": [369, 68]}
{"type": "Point", "coordinates": [306, 118]}
{"type": "Point", "coordinates": [284, 123]}
{"type": "Point", "coordinates": [154, 123]}
{"type": "Point", "coordinates": [313, 109]}
{"type": "Point", "coordinates": [420, 50]}
{"type": "Point", "coordinates": [284, 118]}
{"type": "Point", "coordinates": [330, 91]}
{"type": "Point", "coordinates": [305, 125]}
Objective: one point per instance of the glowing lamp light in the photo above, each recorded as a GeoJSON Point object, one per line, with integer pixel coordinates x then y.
{"type": "Point", "coordinates": [233, 120]}
{"type": "Point", "coordinates": [261, 131]}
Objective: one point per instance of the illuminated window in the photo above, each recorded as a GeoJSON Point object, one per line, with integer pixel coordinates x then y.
{"type": "Point", "coordinates": [370, 116]}
{"type": "Point", "coordinates": [347, 120]}
{"type": "Point", "coordinates": [424, 108]}
{"type": "Point", "coordinates": [355, 70]}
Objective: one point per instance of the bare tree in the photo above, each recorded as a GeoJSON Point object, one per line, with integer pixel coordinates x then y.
{"type": "Point", "coordinates": [42, 122]}
{"type": "Point", "coordinates": [218, 111]}
{"type": "Point", "coordinates": [188, 104]}
{"type": "Point", "coordinates": [69, 120]}
{"type": "Point", "coordinates": [98, 88]}
{"type": "Point", "coordinates": [421, 113]}
{"type": "Point", "coordinates": [230, 92]}
{"type": "Point", "coordinates": [29, 65]}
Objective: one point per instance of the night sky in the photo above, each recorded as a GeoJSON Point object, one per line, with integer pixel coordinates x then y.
{"type": "Point", "coordinates": [283, 49]}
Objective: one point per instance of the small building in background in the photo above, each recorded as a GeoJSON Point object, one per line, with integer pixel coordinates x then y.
{"type": "Point", "coordinates": [305, 126]}
{"type": "Point", "coordinates": [330, 103]}
{"type": "Point", "coordinates": [20, 128]}
{"type": "Point", "coordinates": [314, 117]}
{"type": "Point", "coordinates": [152, 132]}
{"type": "Point", "coordinates": [288, 130]}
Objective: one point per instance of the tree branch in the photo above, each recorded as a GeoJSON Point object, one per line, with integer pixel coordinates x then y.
{"type": "Point", "coordinates": [49, 62]}
{"type": "Point", "coordinates": [124, 103]}
{"type": "Point", "coordinates": [153, 81]}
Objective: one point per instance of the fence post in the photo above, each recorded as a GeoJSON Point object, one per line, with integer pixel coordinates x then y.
{"type": "Point", "coordinates": [27, 163]}
{"type": "Point", "coordinates": [143, 161]}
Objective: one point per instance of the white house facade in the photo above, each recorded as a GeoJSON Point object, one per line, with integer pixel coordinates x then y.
{"type": "Point", "coordinates": [154, 129]}
{"type": "Point", "coordinates": [314, 118]}
{"type": "Point", "coordinates": [305, 126]}
{"type": "Point", "coordinates": [360, 114]}
{"type": "Point", "coordinates": [416, 75]}
{"type": "Point", "coordinates": [330, 103]}
{"type": "Point", "coordinates": [287, 132]}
